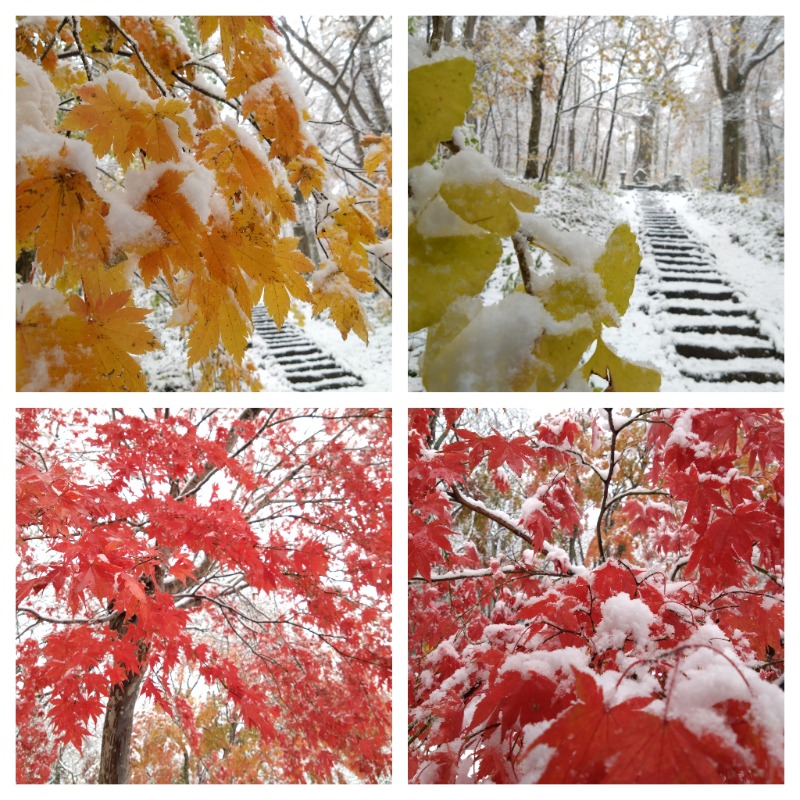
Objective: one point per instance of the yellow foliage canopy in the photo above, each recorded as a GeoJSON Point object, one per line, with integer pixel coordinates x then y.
{"type": "Point", "coordinates": [144, 178]}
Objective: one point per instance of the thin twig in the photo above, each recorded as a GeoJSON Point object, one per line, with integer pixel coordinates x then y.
{"type": "Point", "coordinates": [53, 39]}
{"type": "Point", "coordinates": [76, 32]}
{"type": "Point", "coordinates": [135, 47]}
{"type": "Point", "coordinates": [381, 285]}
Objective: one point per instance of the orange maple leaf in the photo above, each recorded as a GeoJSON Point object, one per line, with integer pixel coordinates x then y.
{"type": "Point", "coordinates": [154, 135]}
{"type": "Point", "coordinates": [378, 152]}
{"type": "Point", "coordinates": [179, 223]}
{"type": "Point", "coordinates": [278, 120]}
{"type": "Point", "coordinates": [335, 293]}
{"type": "Point", "coordinates": [307, 171]}
{"type": "Point", "coordinates": [109, 117]}
{"type": "Point", "coordinates": [85, 345]}
{"type": "Point", "coordinates": [239, 166]}
{"type": "Point", "coordinates": [65, 217]}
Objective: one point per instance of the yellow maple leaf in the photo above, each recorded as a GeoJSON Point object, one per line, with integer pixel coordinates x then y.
{"type": "Point", "coordinates": [353, 262]}
{"type": "Point", "coordinates": [86, 345]}
{"type": "Point", "coordinates": [378, 152]}
{"type": "Point", "coordinates": [239, 167]}
{"type": "Point", "coordinates": [349, 216]}
{"type": "Point", "coordinates": [217, 317]}
{"type": "Point", "coordinates": [307, 171]}
{"type": "Point", "coordinates": [61, 215]}
{"type": "Point", "coordinates": [248, 54]}
{"type": "Point", "coordinates": [335, 293]}
{"type": "Point", "coordinates": [179, 223]}
{"type": "Point", "coordinates": [154, 136]}
{"type": "Point", "coordinates": [108, 116]}
{"type": "Point", "coordinates": [284, 279]}
{"type": "Point", "coordinates": [385, 209]}
{"type": "Point", "coordinates": [278, 121]}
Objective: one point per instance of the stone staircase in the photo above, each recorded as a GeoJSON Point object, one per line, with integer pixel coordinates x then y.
{"type": "Point", "coordinates": [306, 367]}
{"type": "Point", "coordinates": [717, 338]}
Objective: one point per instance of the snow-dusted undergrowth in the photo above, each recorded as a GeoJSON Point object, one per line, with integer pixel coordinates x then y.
{"type": "Point", "coordinates": [746, 237]}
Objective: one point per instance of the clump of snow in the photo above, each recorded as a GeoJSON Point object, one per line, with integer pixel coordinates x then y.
{"type": "Point", "coordinates": [418, 54]}
{"type": "Point", "coordinates": [710, 673]}
{"type": "Point", "coordinates": [437, 219]}
{"type": "Point", "coordinates": [37, 101]}
{"type": "Point", "coordinates": [533, 764]}
{"type": "Point", "coordinates": [198, 187]}
{"type": "Point", "coordinates": [495, 344]}
{"type": "Point", "coordinates": [470, 167]}
{"type": "Point", "coordinates": [557, 556]}
{"type": "Point", "coordinates": [70, 154]}
{"type": "Point", "coordinates": [550, 663]}
{"type": "Point", "coordinates": [532, 504]}
{"type": "Point", "coordinates": [617, 689]}
{"type": "Point", "coordinates": [623, 617]}
{"type": "Point", "coordinates": [126, 225]}
{"type": "Point", "coordinates": [52, 301]}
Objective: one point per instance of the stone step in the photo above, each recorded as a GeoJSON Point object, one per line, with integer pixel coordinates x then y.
{"type": "Point", "coordinates": [739, 376]}
{"type": "Point", "coordinates": [704, 311]}
{"type": "Point", "coordinates": [751, 331]}
{"type": "Point", "coordinates": [681, 260]}
{"type": "Point", "coordinates": [694, 294]}
{"type": "Point", "coordinates": [306, 367]}
{"type": "Point", "coordinates": [690, 279]}
{"type": "Point", "coordinates": [722, 354]}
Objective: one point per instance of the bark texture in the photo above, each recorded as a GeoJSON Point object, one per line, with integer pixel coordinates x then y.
{"type": "Point", "coordinates": [115, 752]}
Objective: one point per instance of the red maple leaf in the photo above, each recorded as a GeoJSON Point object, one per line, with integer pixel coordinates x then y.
{"type": "Point", "coordinates": [516, 701]}
{"type": "Point", "coordinates": [700, 493]}
{"type": "Point", "coordinates": [724, 550]}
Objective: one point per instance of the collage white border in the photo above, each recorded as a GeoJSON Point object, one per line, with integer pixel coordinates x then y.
{"type": "Point", "coordinates": [401, 400]}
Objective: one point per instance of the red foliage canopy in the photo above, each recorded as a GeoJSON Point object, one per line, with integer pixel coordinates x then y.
{"type": "Point", "coordinates": [251, 547]}
{"type": "Point", "coordinates": [624, 622]}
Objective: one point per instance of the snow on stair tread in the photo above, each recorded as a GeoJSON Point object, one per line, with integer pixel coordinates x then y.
{"type": "Point", "coordinates": [728, 342]}
{"type": "Point", "coordinates": [304, 364]}
{"type": "Point", "coordinates": [715, 338]}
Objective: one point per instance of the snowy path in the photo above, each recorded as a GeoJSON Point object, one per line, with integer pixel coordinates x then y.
{"type": "Point", "coordinates": [709, 330]}
{"type": "Point", "coordinates": [306, 367]}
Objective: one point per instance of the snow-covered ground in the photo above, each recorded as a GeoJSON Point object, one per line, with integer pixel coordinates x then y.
{"type": "Point", "coordinates": [746, 237]}
{"type": "Point", "coordinates": [167, 372]}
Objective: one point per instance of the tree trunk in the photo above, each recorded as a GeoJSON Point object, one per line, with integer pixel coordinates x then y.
{"type": "Point", "coordinates": [439, 25]}
{"type": "Point", "coordinates": [742, 58]}
{"type": "Point", "coordinates": [532, 164]}
{"type": "Point", "coordinates": [614, 111]}
{"type": "Point", "coordinates": [115, 752]}
{"type": "Point", "coordinates": [643, 158]}
{"type": "Point", "coordinates": [731, 144]}
{"type": "Point", "coordinates": [468, 37]}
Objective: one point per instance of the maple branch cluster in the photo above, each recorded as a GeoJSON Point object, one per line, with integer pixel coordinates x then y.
{"type": "Point", "coordinates": [196, 198]}
{"type": "Point", "coordinates": [596, 597]}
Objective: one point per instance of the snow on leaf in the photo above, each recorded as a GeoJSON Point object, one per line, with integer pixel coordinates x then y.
{"type": "Point", "coordinates": [482, 196]}
{"type": "Point", "coordinates": [444, 267]}
{"type": "Point", "coordinates": [179, 222]}
{"type": "Point", "coordinates": [61, 215]}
